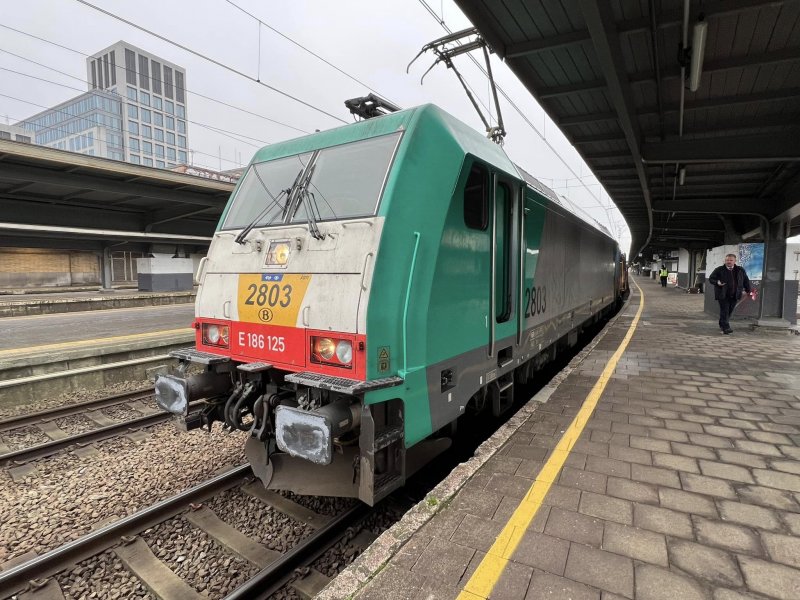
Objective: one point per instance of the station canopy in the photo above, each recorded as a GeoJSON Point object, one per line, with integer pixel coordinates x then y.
{"type": "Point", "coordinates": [612, 73]}
{"type": "Point", "coordinates": [55, 194]}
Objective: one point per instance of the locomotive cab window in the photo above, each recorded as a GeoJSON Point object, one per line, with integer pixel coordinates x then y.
{"type": "Point", "coordinates": [347, 180]}
{"type": "Point", "coordinates": [476, 198]}
{"type": "Point", "coordinates": [337, 182]}
{"type": "Point", "coordinates": [263, 189]}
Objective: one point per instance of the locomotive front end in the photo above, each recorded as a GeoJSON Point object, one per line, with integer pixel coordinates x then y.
{"type": "Point", "coordinates": [280, 318]}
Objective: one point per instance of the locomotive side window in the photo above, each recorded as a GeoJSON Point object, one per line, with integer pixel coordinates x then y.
{"type": "Point", "coordinates": [476, 198]}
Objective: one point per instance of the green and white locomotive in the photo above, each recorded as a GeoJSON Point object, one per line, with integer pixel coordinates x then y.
{"type": "Point", "coordinates": [370, 284]}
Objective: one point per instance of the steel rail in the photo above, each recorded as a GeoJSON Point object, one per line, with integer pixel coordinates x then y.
{"type": "Point", "coordinates": [13, 580]}
{"type": "Point", "coordinates": [83, 439]}
{"type": "Point", "coordinates": [73, 409]}
{"type": "Point", "coordinates": [271, 578]}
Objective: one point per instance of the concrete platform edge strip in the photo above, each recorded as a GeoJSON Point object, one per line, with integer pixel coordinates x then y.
{"type": "Point", "coordinates": [104, 367]}
{"type": "Point", "coordinates": [40, 307]}
{"type": "Point", "coordinates": [356, 576]}
{"type": "Point", "coordinates": [73, 300]}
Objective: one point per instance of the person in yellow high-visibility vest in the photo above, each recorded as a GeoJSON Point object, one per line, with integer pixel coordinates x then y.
{"type": "Point", "coordinates": [663, 275]}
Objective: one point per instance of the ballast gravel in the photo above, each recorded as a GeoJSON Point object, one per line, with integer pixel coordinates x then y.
{"type": "Point", "coordinates": [72, 397]}
{"type": "Point", "coordinates": [341, 554]}
{"type": "Point", "coordinates": [322, 505]}
{"type": "Point", "coordinates": [121, 413]}
{"type": "Point", "coordinates": [258, 521]}
{"type": "Point", "coordinates": [197, 559]}
{"type": "Point", "coordinates": [102, 576]}
{"type": "Point", "coordinates": [23, 437]}
{"type": "Point", "coordinates": [67, 494]}
{"type": "Point", "coordinates": [76, 424]}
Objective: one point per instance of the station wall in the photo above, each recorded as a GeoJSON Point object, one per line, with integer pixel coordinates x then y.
{"type": "Point", "coordinates": [792, 278]}
{"type": "Point", "coordinates": [41, 267]}
{"type": "Point", "coordinates": [792, 262]}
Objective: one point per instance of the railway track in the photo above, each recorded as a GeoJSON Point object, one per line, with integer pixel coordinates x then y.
{"type": "Point", "coordinates": [124, 539]}
{"type": "Point", "coordinates": [45, 425]}
{"type": "Point", "coordinates": [75, 409]}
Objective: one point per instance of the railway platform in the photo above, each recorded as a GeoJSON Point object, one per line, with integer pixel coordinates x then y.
{"type": "Point", "coordinates": [61, 300]}
{"type": "Point", "coordinates": [663, 463]}
{"type": "Point", "coordinates": [47, 354]}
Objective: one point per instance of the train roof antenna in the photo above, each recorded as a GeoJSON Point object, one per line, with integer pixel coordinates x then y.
{"type": "Point", "coordinates": [445, 52]}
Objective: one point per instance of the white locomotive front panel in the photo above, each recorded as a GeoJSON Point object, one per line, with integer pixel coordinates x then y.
{"type": "Point", "coordinates": [268, 300]}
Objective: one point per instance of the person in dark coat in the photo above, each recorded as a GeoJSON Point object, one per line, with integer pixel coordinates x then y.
{"type": "Point", "coordinates": [729, 281]}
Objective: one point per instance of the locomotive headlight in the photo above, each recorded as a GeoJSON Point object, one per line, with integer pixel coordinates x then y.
{"type": "Point", "coordinates": [344, 352]}
{"type": "Point", "coordinates": [278, 253]}
{"type": "Point", "coordinates": [282, 254]}
{"type": "Point", "coordinates": [325, 348]}
{"type": "Point", "coordinates": [213, 334]}
{"type": "Point", "coordinates": [332, 351]}
{"type": "Point", "coordinates": [216, 335]}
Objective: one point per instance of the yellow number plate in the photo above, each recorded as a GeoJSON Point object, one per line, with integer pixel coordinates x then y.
{"type": "Point", "coordinates": [271, 298]}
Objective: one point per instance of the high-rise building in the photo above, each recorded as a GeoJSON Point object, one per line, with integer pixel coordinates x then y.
{"type": "Point", "coordinates": [135, 110]}
{"type": "Point", "coordinates": [12, 132]}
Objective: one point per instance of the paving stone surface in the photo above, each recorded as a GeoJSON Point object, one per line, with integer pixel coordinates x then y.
{"type": "Point", "coordinates": [684, 484]}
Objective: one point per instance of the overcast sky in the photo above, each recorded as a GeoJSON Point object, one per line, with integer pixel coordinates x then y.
{"type": "Point", "coordinates": [372, 47]}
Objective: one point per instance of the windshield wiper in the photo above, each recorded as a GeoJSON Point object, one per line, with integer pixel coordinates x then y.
{"type": "Point", "coordinates": [240, 239]}
{"type": "Point", "coordinates": [309, 206]}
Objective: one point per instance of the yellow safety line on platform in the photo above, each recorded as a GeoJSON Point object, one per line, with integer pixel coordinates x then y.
{"type": "Point", "coordinates": [488, 573]}
{"type": "Point", "coordinates": [94, 342]}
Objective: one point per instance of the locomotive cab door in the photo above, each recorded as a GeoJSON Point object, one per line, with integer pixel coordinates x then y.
{"type": "Point", "coordinates": [506, 258]}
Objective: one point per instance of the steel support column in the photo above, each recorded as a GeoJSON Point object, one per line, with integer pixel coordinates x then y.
{"type": "Point", "coordinates": [772, 284]}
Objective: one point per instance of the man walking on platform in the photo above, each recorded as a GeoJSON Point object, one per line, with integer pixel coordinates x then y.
{"type": "Point", "coordinates": [729, 281]}
{"type": "Point", "coordinates": [663, 275]}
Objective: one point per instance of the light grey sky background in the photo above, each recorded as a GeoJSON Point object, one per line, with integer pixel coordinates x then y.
{"type": "Point", "coordinates": [371, 42]}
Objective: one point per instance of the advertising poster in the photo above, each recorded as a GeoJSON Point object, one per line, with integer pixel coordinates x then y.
{"type": "Point", "coordinates": [751, 258]}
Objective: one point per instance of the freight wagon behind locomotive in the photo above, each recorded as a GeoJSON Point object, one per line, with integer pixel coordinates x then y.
{"type": "Point", "coordinates": [370, 284]}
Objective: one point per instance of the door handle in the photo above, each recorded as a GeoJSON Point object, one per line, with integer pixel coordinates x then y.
{"type": "Point", "coordinates": [364, 271]}
{"type": "Point", "coordinates": [198, 278]}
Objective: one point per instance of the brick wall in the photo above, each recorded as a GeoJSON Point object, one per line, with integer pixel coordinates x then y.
{"type": "Point", "coordinates": [39, 267]}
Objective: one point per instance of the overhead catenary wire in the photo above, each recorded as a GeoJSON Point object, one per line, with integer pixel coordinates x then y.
{"type": "Point", "coordinates": [188, 91]}
{"type": "Point", "coordinates": [311, 52]}
{"type": "Point", "coordinates": [443, 24]}
{"type": "Point", "coordinates": [97, 123]}
{"type": "Point", "coordinates": [213, 61]}
{"type": "Point", "coordinates": [222, 132]}
{"type": "Point", "coordinates": [219, 130]}
{"type": "Point", "coordinates": [236, 136]}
